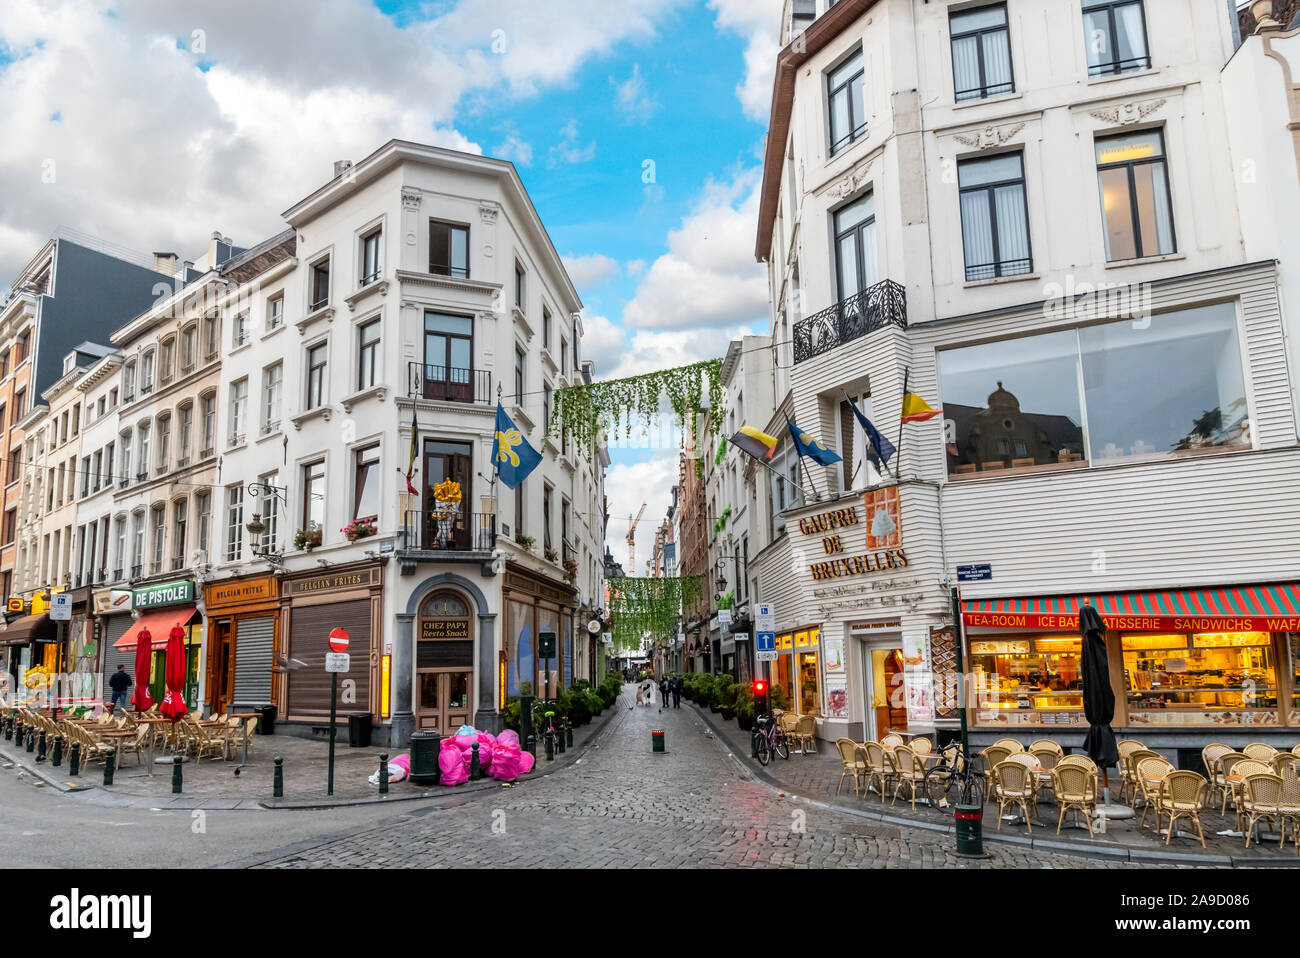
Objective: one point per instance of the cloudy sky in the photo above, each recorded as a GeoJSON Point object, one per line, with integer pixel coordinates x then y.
{"type": "Point", "coordinates": [636, 125]}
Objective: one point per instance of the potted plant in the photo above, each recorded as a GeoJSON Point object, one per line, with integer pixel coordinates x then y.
{"type": "Point", "coordinates": [571, 571]}
{"type": "Point", "coordinates": [307, 539]}
{"type": "Point", "coordinates": [745, 708]}
{"type": "Point", "coordinates": [525, 542]}
{"type": "Point", "coordinates": [360, 529]}
{"type": "Point", "coordinates": [727, 691]}
{"type": "Point", "coordinates": [551, 555]}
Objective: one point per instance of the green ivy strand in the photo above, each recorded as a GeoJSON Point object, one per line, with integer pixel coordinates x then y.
{"type": "Point", "coordinates": [641, 605]}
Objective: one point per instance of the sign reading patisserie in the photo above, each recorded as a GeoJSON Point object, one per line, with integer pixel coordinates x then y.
{"type": "Point", "coordinates": [830, 525]}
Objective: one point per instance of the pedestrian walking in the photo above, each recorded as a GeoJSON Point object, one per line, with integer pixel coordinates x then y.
{"type": "Point", "coordinates": [640, 690]}
{"type": "Point", "coordinates": [664, 691]}
{"type": "Point", "coordinates": [120, 682]}
{"type": "Point", "coordinates": [677, 691]}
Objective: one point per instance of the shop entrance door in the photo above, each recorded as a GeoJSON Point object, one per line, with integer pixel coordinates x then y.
{"type": "Point", "coordinates": [886, 699]}
{"type": "Point", "coordinates": [443, 699]}
{"type": "Point", "coordinates": [220, 667]}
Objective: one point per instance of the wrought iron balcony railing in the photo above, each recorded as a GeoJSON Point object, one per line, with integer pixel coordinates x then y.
{"type": "Point", "coordinates": [449, 384]}
{"type": "Point", "coordinates": [878, 306]}
{"type": "Point", "coordinates": [464, 532]}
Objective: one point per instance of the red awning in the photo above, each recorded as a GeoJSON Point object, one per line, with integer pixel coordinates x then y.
{"type": "Point", "coordinates": [159, 624]}
{"type": "Point", "coordinates": [1262, 608]}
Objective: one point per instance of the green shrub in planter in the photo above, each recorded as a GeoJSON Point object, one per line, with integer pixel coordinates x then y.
{"type": "Point", "coordinates": [745, 707]}
{"type": "Point", "coordinates": [579, 712]}
{"type": "Point", "coordinates": [510, 714]}
{"type": "Point", "coordinates": [727, 690]}
{"type": "Point", "coordinates": [595, 704]}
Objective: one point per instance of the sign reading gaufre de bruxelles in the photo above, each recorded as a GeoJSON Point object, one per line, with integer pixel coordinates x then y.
{"type": "Point", "coordinates": [831, 526]}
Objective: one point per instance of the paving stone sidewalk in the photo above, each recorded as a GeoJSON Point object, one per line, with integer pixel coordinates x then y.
{"type": "Point", "coordinates": [817, 776]}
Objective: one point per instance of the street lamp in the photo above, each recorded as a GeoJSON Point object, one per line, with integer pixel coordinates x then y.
{"type": "Point", "coordinates": [275, 495]}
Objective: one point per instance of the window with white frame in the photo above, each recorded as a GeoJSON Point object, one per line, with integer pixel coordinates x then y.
{"type": "Point", "coordinates": [164, 442]}
{"type": "Point", "coordinates": [371, 255]}
{"type": "Point", "coordinates": [143, 434]}
{"type": "Point", "coordinates": [234, 522]}
{"type": "Point", "coordinates": [180, 524]}
{"type": "Point", "coordinates": [239, 331]}
{"type": "Point", "coordinates": [203, 517]}
{"type": "Point", "coordinates": [275, 312]}
{"type": "Point", "coordinates": [146, 373]}
{"type": "Point", "coordinates": [208, 415]}
{"type": "Point", "coordinates": [158, 515]}
{"type": "Point", "coordinates": [238, 410]}
{"type": "Point", "coordinates": [272, 390]}
{"type": "Point", "coordinates": [137, 543]}
{"type": "Point", "coordinates": [183, 434]}
{"type": "Point", "coordinates": [189, 346]}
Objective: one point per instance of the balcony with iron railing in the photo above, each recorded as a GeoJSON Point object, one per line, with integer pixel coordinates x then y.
{"type": "Point", "coordinates": [449, 384]}
{"type": "Point", "coordinates": [878, 306]}
{"type": "Point", "coordinates": [472, 534]}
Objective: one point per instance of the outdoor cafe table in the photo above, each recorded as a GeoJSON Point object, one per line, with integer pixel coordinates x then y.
{"type": "Point", "coordinates": [152, 720]}
{"type": "Point", "coordinates": [243, 720]}
{"type": "Point", "coordinates": [115, 736]}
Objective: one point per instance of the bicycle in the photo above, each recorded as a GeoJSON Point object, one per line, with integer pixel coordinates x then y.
{"type": "Point", "coordinates": [769, 740]}
{"type": "Point", "coordinates": [957, 779]}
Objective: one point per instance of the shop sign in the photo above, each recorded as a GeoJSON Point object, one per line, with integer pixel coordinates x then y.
{"type": "Point", "coordinates": [336, 582]}
{"type": "Point", "coordinates": [1069, 622]}
{"type": "Point", "coordinates": [112, 600]}
{"type": "Point", "coordinates": [168, 593]}
{"type": "Point", "coordinates": [884, 518]}
{"type": "Point", "coordinates": [724, 617]}
{"type": "Point", "coordinates": [442, 630]}
{"type": "Point", "coordinates": [239, 592]}
{"type": "Point", "coordinates": [917, 680]}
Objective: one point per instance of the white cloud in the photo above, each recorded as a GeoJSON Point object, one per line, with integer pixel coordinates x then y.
{"type": "Point", "coordinates": [759, 23]}
{"type": "Point", "coordinates": [514, 148]}
{"type": "Point", "coordinates": [627, 486]}
{"type": "Point", "coordinates": [634, 101]}
{"type": "Point", "coordinates": [591, 270]}
{"type": "Point", "coordinates": [708, 277]}
{"type": "Point", "coordinates": [570, 149]}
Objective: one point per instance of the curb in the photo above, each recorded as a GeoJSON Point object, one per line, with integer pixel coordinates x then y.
{"type": "Point", "coordinates": [42, 772]}
{"type": "Point", "coordinates": [1138, 856]}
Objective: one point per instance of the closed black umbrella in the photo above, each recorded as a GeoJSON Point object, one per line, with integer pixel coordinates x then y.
{"type": "Point", "coordinates": [1098, 696]}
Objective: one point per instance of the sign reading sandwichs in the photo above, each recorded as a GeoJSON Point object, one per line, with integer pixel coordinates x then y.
{"type": "Point", "coordinates": [831, 526]}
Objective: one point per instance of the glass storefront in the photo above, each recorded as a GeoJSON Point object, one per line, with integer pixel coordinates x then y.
{"type": "Point", "coordinates": [1205, 671]}
{"type": "Point", "coordinates": [797, 669]}
{"type": "Point", "coordinates": [1294, 648]}
{"type": "Point", "coordinates": [1040, 673]}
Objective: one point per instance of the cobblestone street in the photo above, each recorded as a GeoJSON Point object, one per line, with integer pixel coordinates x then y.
{"type": "Point", "coordinates": [622, 806]}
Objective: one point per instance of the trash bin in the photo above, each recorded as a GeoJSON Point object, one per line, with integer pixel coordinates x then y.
{"type": "Point", "coordinates": [425, 746]}
{"type": "Point", "coordinates": [358, 730]}
{"type": "Point", "coordinates": [657, 740]}
{"type": "Point", "coordinates": [266, 724]}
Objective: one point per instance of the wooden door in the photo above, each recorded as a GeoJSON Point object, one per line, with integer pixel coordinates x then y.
{"type": "Point", "coordinates": [443, 699]}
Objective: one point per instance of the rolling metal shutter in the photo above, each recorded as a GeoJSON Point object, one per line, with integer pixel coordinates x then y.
{"type": "Point", "coordinates": [309, 687]}
{"type": "Point", "coordinates": [253, 644]}
{"type": "Point", "coordinates": [115, 626]}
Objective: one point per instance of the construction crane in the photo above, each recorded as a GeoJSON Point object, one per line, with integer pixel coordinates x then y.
{"type": "Point", "coordinates": [631, 540]}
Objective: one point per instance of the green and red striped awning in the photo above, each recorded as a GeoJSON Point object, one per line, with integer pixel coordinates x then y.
{"type": "Point", "coordinates": [1256, 608]}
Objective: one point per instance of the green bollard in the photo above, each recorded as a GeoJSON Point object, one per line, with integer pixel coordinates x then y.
{"type": "Point", "coordinates": [108, 767]}
{"type": "Point", "coordinates": [176, 775]}
{"type": "Point", "coordinates": [57, 758]}
{"type": "Point", "coordinates": [74, 759]}
{"type": "Point", "coordinates": [568, 733]}
{"type": "Point", "coordinates": [475, 770]}
{"type": "Point", "coordinates": [40, 748]}
{"type": "Point", "coordinates": [383, 770]}
{"type": "Point", "coordinates": [31, 739]}
{"type": "Point", "coordinates": [277, 781]}
{"type": "Point", "coordinates": [559, 737]}
{"type": "Point", "coordinates": [550, 746]}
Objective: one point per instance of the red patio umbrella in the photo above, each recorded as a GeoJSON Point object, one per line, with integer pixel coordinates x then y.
{"type": "Point", "coordinates": [142, 700]}
{"type": "Point", "coordinates": [173, 703]}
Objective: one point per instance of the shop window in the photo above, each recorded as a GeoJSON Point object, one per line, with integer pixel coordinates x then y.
{"type": "Point", "coordinates": [1179, 678]}
{"type": "Point", "coordinates": [1023, 675]}
{"type": "Point", "coordinates": [1170, 385]}
{"type": "Point", "coordinates": [1295, 678]}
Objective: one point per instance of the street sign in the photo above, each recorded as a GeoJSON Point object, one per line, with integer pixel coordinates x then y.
{"type": "Point", "coordinates": [765, 617]}
{"type": "Point", "coordinates": [337, 661]}
{"type": "Point", "coordinates": [765, 656]}
{"type": "Point", "coordinates": [975, 573]}
{"type": "Point", "coordinates": [765, 642]}
{"type": "Point", "coordinates": [724, 617]}
{"type": "Point", "coordinates": [61, 607]}
{"type": "Point", "coordinates": [17, 605]}
{"type": "Point", "coordinates": [339, 642]}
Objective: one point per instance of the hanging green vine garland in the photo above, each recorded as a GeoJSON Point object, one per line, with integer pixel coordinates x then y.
{"type": "Point", "coordinates": [582, 411]}
{"type": "Point", "coordinates": [641, 605]}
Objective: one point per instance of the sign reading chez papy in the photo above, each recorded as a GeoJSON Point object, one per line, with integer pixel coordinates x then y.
{"type": "Point", "coordinates": [440, 630]}
{"type": "Point", "coordinates": [832, 527]}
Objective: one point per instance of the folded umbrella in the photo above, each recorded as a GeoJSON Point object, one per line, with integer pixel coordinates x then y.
{"type": "Point", "coordinates": [141, 701]}
{"type": "Point", "coordinates": [173, 704]}
{"type": "Point", "coordinates": [1098, 695]}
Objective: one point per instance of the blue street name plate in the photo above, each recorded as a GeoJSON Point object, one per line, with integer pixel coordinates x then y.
{"type": "Point", "coordinates": [974, 573]}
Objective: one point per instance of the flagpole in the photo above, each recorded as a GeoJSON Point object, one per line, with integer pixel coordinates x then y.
{"type": "Point", "coordinates": [898, 452]}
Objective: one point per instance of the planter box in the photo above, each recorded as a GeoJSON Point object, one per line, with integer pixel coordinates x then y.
{"type": "Point", "coordinates": [728, 714]}
{"type": "Point", "coordinates": [745, 722]}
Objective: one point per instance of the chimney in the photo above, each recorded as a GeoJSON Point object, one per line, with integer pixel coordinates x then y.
{"type": "Point", "coordinates": [165, 262]}
{"type": "Point", "coordinates": [341, 167]}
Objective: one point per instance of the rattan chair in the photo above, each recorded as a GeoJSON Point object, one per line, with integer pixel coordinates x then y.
{"type": "Point", "coordinates": [1074, 788]}
{"type": "Point", "coordinates": [1149, 773]}
{"type": "Point", "coordinates": [1013, 785]}
{"type": "Point", "coordinates": [1227, 789]}
{"type": "Point", "coordinates": [852, 763]}
{"type": "Point", "coordinates": [891, 740]}
{"type": "Point", "coordinates": [992, 756]}
{"type": "Point", "coordinates": [1128, 773]}
{"type": "Point", "coordinates": [1010, 744]}
{"type": "Point", "coordinates": [1183, 794]}
{"type": "Point", "coordinates": [1210, 756]}
{"type": "Point", "coordinates": [806, 733]}
{"type": "Point", "coordinates": [1261, 801]}
{"type": "Point", "coordinates": [921, 746]}
{"type": "Point", "coordinates": [1127, 747]}
{"type": "Point", "coordinates": [1283, 761]}
{"type": "Point", "coordinates": [1260, 751]}
{"type": "Point", "coordinates": [1040, 744]}
{"type": "Point", "coordinates": [1295, 749]}
{"type": "Point", "coordinates": [910, 772]}
{"type": "Point", "coordinates": [1290, 804]}
{"type": "Point", "coordinates": [879, 767]}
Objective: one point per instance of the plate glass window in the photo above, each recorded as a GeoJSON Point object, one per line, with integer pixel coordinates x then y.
{"type": "Point", "coordinates": [855, 246]}
{"type": "Point", "coordinates": [848, 108]}
{"type": "Point", "coordinates": [316, 375]}
{"type": "Point", "coordinates": [994, 219]}
{"type": "Point", "coordinates": [448, 357]}
{"type": "Point", "coordinates": [1133, 180]}
{"type": "Point", "coordinates": [370, 257]}
{"type": "Point", "coordinates": [449, 249]}
{"type": "Point", "coordinates": [981, 53]}
{"type": "Point", "coordinates": [1115, 36]}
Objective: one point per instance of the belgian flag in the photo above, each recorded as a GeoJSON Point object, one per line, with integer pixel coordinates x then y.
{"type": "Point", "coordinates": [755, 443]}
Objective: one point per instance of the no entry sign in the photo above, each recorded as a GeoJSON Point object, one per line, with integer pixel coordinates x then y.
{"type": "Point", "coordinates": [339, 640]}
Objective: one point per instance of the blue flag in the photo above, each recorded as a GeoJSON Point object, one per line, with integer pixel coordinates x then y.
{"type": "Point", "coordinates": [810, 447]}
{"type": "Point", "coordinates": [884, 448]}
{"type": "Point", "coordinates": [513, 457]}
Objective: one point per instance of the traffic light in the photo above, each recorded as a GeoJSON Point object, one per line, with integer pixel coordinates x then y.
{"type": "Point", "coordinates": [760, 697]}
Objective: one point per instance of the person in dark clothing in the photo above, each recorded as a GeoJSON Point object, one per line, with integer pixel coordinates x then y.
{"type": "Point", "coordinates": [676, 685]}
{"type": "Point", "coordinates": [664, 687]}
{"type": "Point", "coordinates": [120, 682]}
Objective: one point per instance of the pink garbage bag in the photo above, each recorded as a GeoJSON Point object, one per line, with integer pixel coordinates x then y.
{"type": "Point", "coordinates": [508, 737]}
{"type": "Point", "coordinates": [463, 742]}
{"type": "Point", "coordinates": [454, 770]}
{"type": "Point", "coordinates": [402, 761]}
{"type": "Point", "coordinates": [526, 761]}
{"type": "Point", "coordinates": [505, 762]}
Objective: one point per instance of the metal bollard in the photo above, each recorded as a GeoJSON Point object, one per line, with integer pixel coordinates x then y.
{"type": "Point", "coordinates": [74, 759]}
{"type": "Point", "coordinates": [108, 766]}
{"type": "Point", "coordinates": [568, 733]}
{"type": "Point", "coordinates": [57, 758]}
{"type": "Point", "coordinates": [530, 744]}
{"type": "Point", "coordinates": [277, 780]}
{"type": "Point", "coordinates": [383, 772]}
{"type": "Point", "coordinates": [550, 745]}
{"type": "Point", "coordinates": [559, 738]}
{"type": "Point", "coordinates": [31, 739]}
{"type": "Point", "coordinates": [40, 748]}
{"type": "Point", "coordinates": [475, 769]}
{"type": "Point", "coordinates": [9, 727]}
{"type": "Point", "coordinates": [18, 730]}
{"type": "Point", "coordinates": [176, 775]}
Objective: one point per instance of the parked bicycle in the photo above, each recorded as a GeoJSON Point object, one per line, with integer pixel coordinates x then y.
{"type": "Point", "coordinates": [957, 779]}
{"type": "Point", "coordinates": [769, 740]}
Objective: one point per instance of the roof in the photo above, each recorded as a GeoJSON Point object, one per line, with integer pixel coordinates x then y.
{"type": "Point", "coordinates": [801, 49]}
